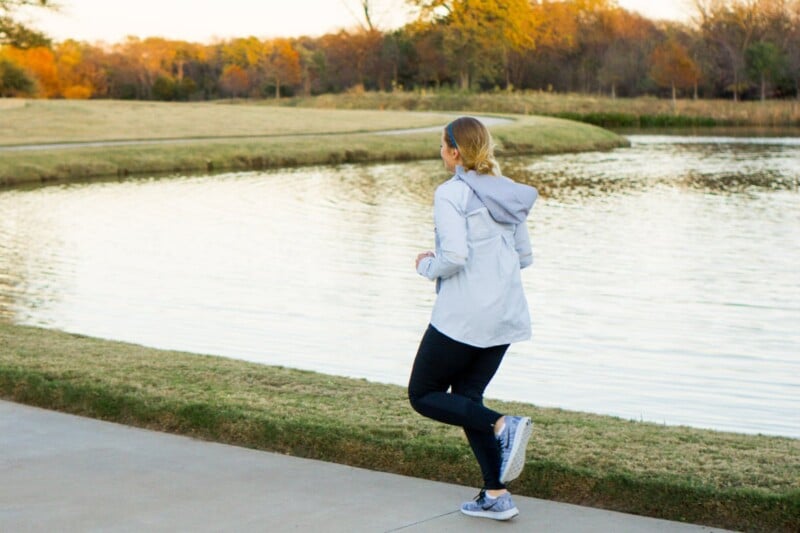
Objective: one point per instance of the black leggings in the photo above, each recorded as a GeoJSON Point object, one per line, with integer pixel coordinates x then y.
{"type": "Point", "coordinates": [443, 363]}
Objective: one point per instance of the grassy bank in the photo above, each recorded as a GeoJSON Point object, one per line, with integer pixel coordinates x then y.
{"type": "Point", "coordinates": [56, 121]}
{"type": "Point", "coordinates": [245, 136]}
{"type": "Point", "coordinates": [722, 479]}
{"type": "Point", "coordinates": [642, 112]}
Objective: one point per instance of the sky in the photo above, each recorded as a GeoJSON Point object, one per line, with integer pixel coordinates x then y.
{"type": "Point", "coordinates": [209, 20]}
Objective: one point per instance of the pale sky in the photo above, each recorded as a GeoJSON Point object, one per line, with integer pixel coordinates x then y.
{"type": "Point", "coordinates": [207, 20]}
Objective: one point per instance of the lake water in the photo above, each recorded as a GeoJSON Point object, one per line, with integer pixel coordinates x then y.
{"type": "Point", "coordinates": [665, 285]}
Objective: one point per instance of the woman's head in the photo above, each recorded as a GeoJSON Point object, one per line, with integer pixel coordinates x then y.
{"type": "Point", "coordinates": [467, 142]}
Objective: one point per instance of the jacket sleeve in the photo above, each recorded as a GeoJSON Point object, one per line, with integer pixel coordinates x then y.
{"type": "Point", "coordinates": [522, 243]}
{"type": "Point", "coordinates": [451, 233]}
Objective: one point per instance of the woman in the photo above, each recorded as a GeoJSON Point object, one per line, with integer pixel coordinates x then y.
{"type": "Point", "coordinates": [482, 243]}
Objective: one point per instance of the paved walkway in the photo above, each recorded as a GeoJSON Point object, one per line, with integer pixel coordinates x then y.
{"type": "Point", "coordinates": [66, 473]}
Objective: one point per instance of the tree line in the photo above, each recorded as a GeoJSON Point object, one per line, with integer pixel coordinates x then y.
{"type": "Point", "coordinates": [732, 49]}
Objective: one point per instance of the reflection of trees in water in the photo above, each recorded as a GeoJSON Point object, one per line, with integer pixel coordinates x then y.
{"type": "Point", "coordinates": [714, 168]}
{"type": "Point", "coordinates": [738, 182]}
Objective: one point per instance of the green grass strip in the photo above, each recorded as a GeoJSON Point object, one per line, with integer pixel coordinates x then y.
{"type": "Point", "coordinates": [743, 482]}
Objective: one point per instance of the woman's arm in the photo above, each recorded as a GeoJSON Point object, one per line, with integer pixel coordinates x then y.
{"type": "Point", "coordinates": [451, 232]}
{"type": "Point", "coordinates": [522, 243]}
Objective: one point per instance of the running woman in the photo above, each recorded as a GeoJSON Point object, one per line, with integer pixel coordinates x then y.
{"type": "Point", "coordinates": [481, 245]}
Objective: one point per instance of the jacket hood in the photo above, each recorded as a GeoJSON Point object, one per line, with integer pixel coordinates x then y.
{"type": "Point", "coordinates": [508, 202]}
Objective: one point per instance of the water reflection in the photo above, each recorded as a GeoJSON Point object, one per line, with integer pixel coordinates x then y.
{"type": "Point", "coordinates": [715, 164]}
{"type": "Point", "coordinates": [665, 284]}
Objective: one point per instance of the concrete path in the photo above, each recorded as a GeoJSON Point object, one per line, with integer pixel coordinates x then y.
{"type": "Point", "coordinates": [66, 473]}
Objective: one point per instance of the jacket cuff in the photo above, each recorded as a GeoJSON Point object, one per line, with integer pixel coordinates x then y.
{"type": "Point", "coordinates": [424, 266]}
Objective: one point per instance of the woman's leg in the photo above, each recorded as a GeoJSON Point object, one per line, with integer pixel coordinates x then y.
{"type": "Point", "coordinates": [472, 385]}
{"type": "Point", "coordinates": [442, 363]}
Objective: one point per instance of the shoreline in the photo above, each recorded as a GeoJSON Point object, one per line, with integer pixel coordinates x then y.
{"type": "Point", "coordinates": [744, 482]}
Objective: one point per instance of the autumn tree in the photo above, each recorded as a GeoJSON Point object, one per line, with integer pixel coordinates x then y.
{"type": "Point", "coordinates": [250, 55]}
{"type": "Point", "coordinates": [555, 47]}
{"type": "Point", "coordinates": [234, 81]}
{"type": "Point", "coordinates": [673, 68]}
{"type": "Point", "coordinates": [144, 61]}
{"type": "Point", "coordinates": [625, 61]}
{"type": "Point", "coordinates": [480, 35]}
{"type": "Point", "coordinates": [81, 71]}
{"type": "Point", "coordinates": [39, 64]}
{"type": "Point", "coordinates": [348, 59]}
{"type": "Point", "coordinates": [283, 64]}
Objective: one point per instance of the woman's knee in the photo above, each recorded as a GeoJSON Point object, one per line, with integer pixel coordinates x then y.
{"type": "Point", "coordinates": [414, 398]}
{"type": "Point", "coordinates": [471, 394]}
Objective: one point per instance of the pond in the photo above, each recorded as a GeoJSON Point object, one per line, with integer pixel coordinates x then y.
{"type": "Point", "coordinates": [665, 285]}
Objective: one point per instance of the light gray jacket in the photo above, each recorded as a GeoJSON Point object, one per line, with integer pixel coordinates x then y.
{"type": "Point", "coordinates": [482, 243]}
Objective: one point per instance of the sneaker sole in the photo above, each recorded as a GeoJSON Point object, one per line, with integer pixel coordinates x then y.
{"type": "Point", "coordinates": [508, 514]}
{"type": "Point", "coordinates": [517, 461]}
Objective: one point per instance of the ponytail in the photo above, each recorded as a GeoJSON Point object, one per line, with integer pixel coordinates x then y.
{"type": "Point", "coordinates": [474, 143]}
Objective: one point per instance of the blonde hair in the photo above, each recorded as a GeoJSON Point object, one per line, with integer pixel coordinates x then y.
{"type": "Point", "coordinates": [474, 143]}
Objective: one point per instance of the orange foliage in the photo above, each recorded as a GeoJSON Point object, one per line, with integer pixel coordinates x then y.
{"type": "Point", "coordinates": [672, 66]}
{"type": "Point", "coordinates": [40, 63]}
{"type": "Point", "coordinates": [234, 81]}
{"type": "Point", "coordinates": [283, 64]}
{"type": "Point", "coordinates": [77, 92]}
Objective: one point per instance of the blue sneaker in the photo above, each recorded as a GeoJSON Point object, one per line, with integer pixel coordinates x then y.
{"type": "Point", "coordinates": [512, 441]}
{"type": "Point", "coordinates": [500, 508]}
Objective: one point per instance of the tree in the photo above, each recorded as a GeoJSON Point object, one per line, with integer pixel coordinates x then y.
{"type": "Point", "coordinates": [283, 64]}
{"type": "Point", "coordinates": [431, 64]}
{"type": "Point", "coordinates": [81, 71]}
{"type": "Point", "coordinates": [250, 54]}
{"type": "Point", "coordinates": [729, 26]}
{"type": "Point", "coordinates": [39, 64]}
{"type": "Point", "coordinates": [625, 63]}
{"type": "Point", "coordinates": [13, 80]}
{"type": "Point", "coordinates": [480, 35]}
{"type": "Point", "coordinates": [672, 67]}
{"type": "Point", "coordinates": [764, 63]}
{"type": "Point", "coordinates": [793, 47]}
{"type": "Point", "coordinates": [16, 33]}
{"type": "Point", "coordinates": [234, 81]}
{"type": "Point", "coordinates": [312, 64]}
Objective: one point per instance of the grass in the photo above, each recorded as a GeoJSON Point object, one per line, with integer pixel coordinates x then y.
{"type": "Point", "coordinates": [644, 112]}
{"type": "Point", "coordinates": [56, 121]}
{"type": "Point", "coordinates": [749, 483]}
{"type": "Point", "coordinates": [223, 136]}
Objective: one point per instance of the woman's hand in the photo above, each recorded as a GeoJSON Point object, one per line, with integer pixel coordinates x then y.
{"type": "Point", "coordinates": [422, 256]}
